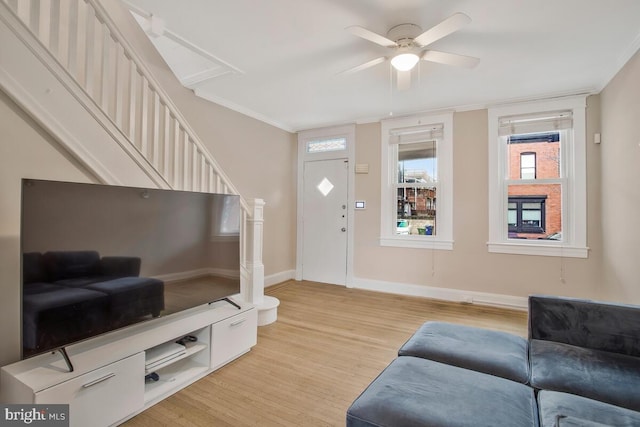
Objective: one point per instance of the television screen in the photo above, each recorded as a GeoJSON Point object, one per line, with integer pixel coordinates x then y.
{"type": "Point", "coordinates": [97, 258]}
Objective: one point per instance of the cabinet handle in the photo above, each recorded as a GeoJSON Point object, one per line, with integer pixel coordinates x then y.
{"type": "Point", "coordinates": [238, 322]}
{"type": "Point", "coordinates": [98, 381]}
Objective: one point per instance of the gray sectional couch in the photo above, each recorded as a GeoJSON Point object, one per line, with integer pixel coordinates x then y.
{"type": "Point", "coordinates": [580, 366]}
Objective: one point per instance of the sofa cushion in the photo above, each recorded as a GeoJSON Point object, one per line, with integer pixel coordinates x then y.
{"type": "Point", "coordinates": [72, 264]}
{"type": "Point", "coordinates": [33, 269]}
{"type": "Point", "coordinates": [564, 410]}
{"type": "Point", "coordinates": [583, 323]}
{"type": "Point", "coordinates": [56, 315]}
{"type": "Point", "coordinates": [132, 297]}
{"type": "Point", "coordinates": [39, 288]}
{"type": "Point", "coordinates": [608, 377]}
{"type": "Point", "coordinates": [491, 352]}
{"type": "Point", "coordinates": [120, 266]}
{"type": "Point", "coordinates": [414, 392]}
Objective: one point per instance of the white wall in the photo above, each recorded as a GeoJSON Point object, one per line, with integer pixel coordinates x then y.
{"type": "Point", "coordinates": [621, 184]}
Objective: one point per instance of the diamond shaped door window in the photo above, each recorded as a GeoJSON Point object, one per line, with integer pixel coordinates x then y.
{"type": "Point", "coordinates": [325, 187]}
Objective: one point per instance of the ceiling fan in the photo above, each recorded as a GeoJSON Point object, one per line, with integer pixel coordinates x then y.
{"type": "Point", "coordinates": [409, 44]}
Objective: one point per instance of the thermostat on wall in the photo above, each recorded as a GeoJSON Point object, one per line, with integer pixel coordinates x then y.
{"type": "Point", "coordinates": [361, 204]}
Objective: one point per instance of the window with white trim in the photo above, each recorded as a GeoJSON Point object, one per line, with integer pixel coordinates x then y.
{"type": "Point", "coordinates": [537, 181]}
{"type": "Point", "coordinates": [416, 207]}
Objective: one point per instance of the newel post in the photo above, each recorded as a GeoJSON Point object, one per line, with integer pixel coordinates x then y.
{"type": "Point", "coordinates": [255, 267]}
{"type": "Point", "coordinates": [267, 306]}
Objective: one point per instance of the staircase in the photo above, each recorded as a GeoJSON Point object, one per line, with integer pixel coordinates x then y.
{"type": "Point", "coordinates": [66, 63]}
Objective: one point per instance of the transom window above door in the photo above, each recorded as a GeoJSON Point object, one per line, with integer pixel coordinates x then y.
{"type": "Point", "coordinates": [328, 144]}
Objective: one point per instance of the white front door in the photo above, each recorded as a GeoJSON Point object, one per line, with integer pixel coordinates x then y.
{"type": "Point", "coordinates": [324, 217]}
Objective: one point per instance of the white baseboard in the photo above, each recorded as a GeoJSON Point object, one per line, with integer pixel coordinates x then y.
{"type": "Point", "coordinates": [283, 276]}
{"type": "Point", "coordinates": [446, 294]}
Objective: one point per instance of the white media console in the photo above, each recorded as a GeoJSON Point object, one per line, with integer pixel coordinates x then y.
{"type": "Point", "coordinates": [108, 383]}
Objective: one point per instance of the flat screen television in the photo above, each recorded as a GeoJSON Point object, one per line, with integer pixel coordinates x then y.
{"type": "Point", "coordinates": [96, 258]}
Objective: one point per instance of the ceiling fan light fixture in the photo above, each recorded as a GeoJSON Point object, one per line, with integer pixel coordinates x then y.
{"type": "Point", "coordinates": [405, 61]}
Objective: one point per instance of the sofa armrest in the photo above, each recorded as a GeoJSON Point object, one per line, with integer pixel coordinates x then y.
{"type": "Point", "coordinates": [120, 266]}
{"type": "Point", "coordinates": [584, 323]}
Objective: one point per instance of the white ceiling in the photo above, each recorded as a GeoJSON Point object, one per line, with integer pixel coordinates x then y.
{"type": "Point", "coordinates": [286, 55]}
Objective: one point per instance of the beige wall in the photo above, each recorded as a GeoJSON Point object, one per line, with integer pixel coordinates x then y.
{"type": "Point", "coordinates": [470, 266]}
{"type": "Point", "coordinates": [26, 151]}
{"type": "Point", "coordinates": [620, 184]}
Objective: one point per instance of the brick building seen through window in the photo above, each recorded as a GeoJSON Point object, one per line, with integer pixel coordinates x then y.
{"type": "Point", "coordinates": [534, 208]}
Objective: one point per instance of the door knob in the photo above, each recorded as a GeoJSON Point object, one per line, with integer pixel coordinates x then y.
{"type": "Point", "coordinates": [343, 229]}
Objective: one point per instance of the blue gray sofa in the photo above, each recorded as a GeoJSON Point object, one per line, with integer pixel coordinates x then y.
{"type": "Point", "coordinates": [580, 366]}
{"type": "Point", "coordinates": [71, 295]}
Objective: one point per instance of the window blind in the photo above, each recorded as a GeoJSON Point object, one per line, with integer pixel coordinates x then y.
{"type": "Point", "coordinates": [532, 123]}
{"type": "Point", "coordinates": [416, 134]}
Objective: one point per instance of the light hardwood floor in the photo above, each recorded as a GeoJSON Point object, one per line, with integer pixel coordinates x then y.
{"type": "Point", "coordinates": [328, 344]}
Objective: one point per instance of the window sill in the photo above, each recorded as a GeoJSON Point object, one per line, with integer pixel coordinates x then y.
{"type": "Point", "coordinates": [421, 242]}
{"type": "Point", "coordinates": [536, 248]}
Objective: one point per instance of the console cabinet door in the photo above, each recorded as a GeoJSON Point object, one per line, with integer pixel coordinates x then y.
{"type": "Point", "coordinates": [232, 337]}
{"type": "Point", "coordinates": [101, 397]}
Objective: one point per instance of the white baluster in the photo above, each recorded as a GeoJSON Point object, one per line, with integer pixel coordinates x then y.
{"type": "Point", "coordinates": [203, 173]}
{"type": "Point", "coordinates": [166, 158]}
{"type": "Point", "coordinates": [33, 21]}
{"type": "Point", "coordinates": [23, 10]}
{"type": "Point", "coordinates": [81, 41]}
{"type": "Point", "coordinates": [186, 184]}
{"type": "Point", "coordinates": [155, 125]}
{"type": "Point", "coordinates": [72, 56]}
{"type": "Point", "coordinates": [105, 79]}
{"type": "Point", "coordinates": [44, 22]}
{"type": "Point", "coordinates": [144, 118]}
{"type": "Point", "coordinates": [54, 31]}
{"type": "Point", "coordinates": [194, 167]}
{"type": "Point", "coordinates": [211, 182]}
{"type": "Point", "coordinates": [63, 32]}
{"type": "Point", "coordinates": [89, 57]}
{"type": "Point", "coordinates": [177, 137]}
{"type": "Point", "coordinates": [218, 183]}
{"type": "Point", "coordinates": [133, 101]}
{"type": "Point", "coordinates": [119, 86]}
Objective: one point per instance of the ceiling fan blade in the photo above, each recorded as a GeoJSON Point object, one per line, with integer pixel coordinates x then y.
{"type": "Point", "coordinates": [446, 27]}
{"type": "Point", "coordinates": [371, 36]}
{"type": "Point", "coordinates": [365, 65]}
{"type": "Point", "coordinates": [403, 80]}
{"type": "Point", "coordinates": [450, 59]}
